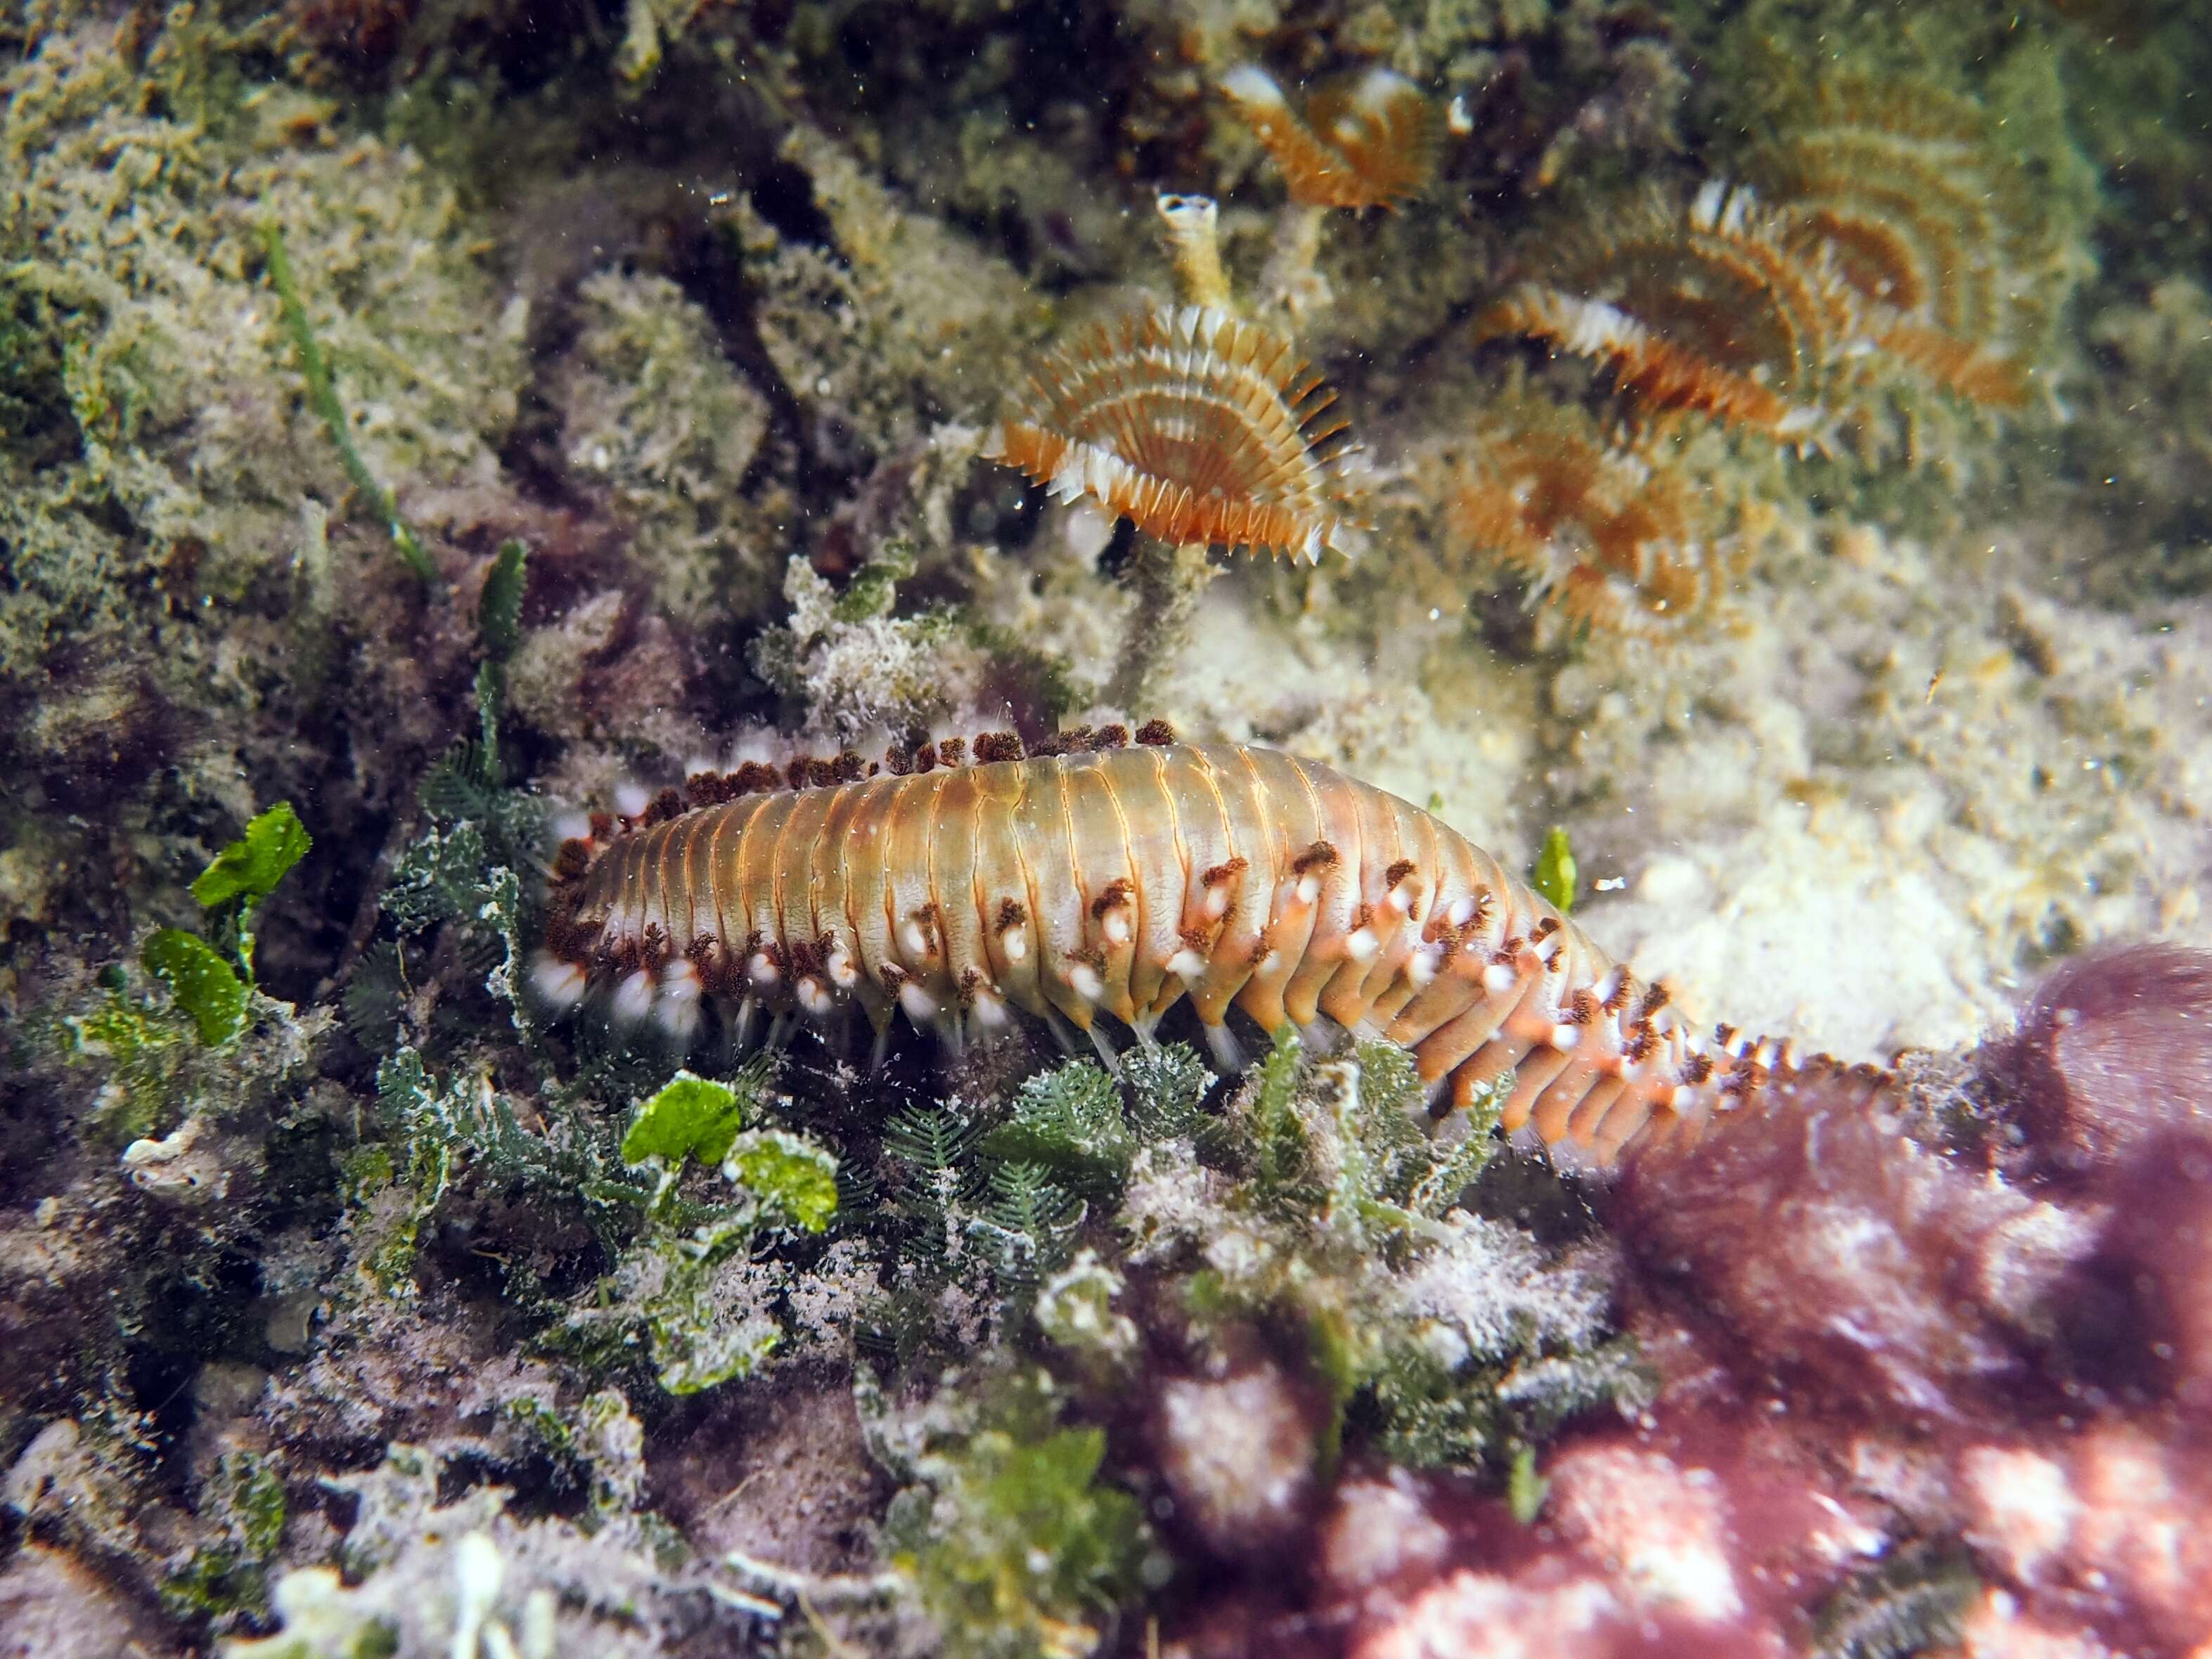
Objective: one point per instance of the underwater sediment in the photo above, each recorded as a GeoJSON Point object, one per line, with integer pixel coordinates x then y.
{"type": "Point", "coordinates": [1745, 469]}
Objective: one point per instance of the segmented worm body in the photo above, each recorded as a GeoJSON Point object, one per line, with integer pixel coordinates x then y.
{"type": "Point", "coordinates": [1118, 879]}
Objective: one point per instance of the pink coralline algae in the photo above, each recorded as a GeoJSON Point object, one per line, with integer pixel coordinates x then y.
{"type": "Point", "coordinates": [1936, 1361]}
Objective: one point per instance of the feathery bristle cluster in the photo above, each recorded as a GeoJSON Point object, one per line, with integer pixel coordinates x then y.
{"type": "Point", "coordinates": [1366, 140]}
{"type": "Point", "coordinates": [1198, 427]}
{"type": "Point", "coordinates": [1716, 312]}
{"type": "Point", "coordinates": [1889, 246]}
{"type": "Point", "coordinates": [1602, 533]}
{"type": "Point", "coordinates": [1904, 189]}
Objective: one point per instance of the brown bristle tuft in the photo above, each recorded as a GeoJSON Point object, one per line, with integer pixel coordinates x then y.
{"type": "Point", "coordinates": [1156, 734]}
{"type": "Point", "coordinates": [703, 789]}
{"type": "Point", "coordinates": [1398, 871]}
{"type": "Point", "coordinates": [1011, 916]}
{"type": "Point", "coordinates": [794, 776]}
{"type": "Point", "coordinates": [1111, 737]}
{"type": "Point", "coordinates": [603, 826]}
{"type": "Point", "coordinates": [952, 751]}
{"type": "Point", "coordinates": [572, 860]}
{"type": "Point", "coordinates": [992, 747]}
{"type": "Point", "coordinates": [1221, 873]}
{"type": "Point", "coordinates": [1322, 855]}
{"type": "Point", "coordinates": [570, 940]}
{"type": "Point", "coordinates": [1046, 747]}
{"type": "Point", "coordinates": [821, 773]}
{"type": "Point", "coordinates": [924, 758]}
{"type": "Point", "coordinates": [848, 768]}
{"type": "Point", "coordinates": [898, 760]}
{"type": "Point", "coordinates": [1115, 896]}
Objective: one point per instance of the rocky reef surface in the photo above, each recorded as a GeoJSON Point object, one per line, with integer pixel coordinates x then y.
{"type": "Point", "coordinates": [1775, 487]}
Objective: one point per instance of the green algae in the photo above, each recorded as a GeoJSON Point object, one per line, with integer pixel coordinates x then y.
{"type": "Point", "coordinates": [1553, 874]}
{"type": "Point", "coordinates": [689, 1117]}
{"type": "Point", "coordinates": [323, 396]}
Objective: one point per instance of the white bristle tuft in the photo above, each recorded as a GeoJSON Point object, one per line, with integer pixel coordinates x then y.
{"type": "Point", "coordinates": [765, 973]}
{"type": "Point", "coordinates": [842, 973]}
{"type": "Point", "coordinates": [1564, 1036]}
{"type": "Point", "coordinates": [1117, 926]}
{"type": "Point", "coordinates": [631, 800]}
{"type": "Point", "coordinates": [1217, 901]}
{"type": "Point", "coordinates": [1362, 944]}
{"type": "Point", "coordinates": [634, 998]}
{"type": "Point", "coordinates": [1268, 963]}
{"type": "Point", "coordinates": [1422, 966]}
{"type": "Point", "coordinates": [1462, 911]}
{"type": "Point", "coordinates": [1400, 898]}
{"type": "Point", "coordinates": [572, 826]}
{"type": "Point", "coordinates": [1187, 966]}
{"type": "Point", "coordinates": [1499, 978]}
{"type": "Point", "coordinates": [814, 996]}
{"type": "Point", "coordinates": [990, 1012]}
{"type": "Point", "coordinates": [561, 985]}
{"type": "Point", "coordinates": [1085, 980]}
{"type": "Point", "coordinates": [677, 1015]}
{"type": "Point", "coordinates": [914, 940]}
{"type": "Point", "coordinates": [1017, 946]}
{"type": "Point", "coordinates": [920, 1007]}
{"type": "Point", "coordinates": [679, 979]}
{"type": "Point", "coordinates": [1309, 889]}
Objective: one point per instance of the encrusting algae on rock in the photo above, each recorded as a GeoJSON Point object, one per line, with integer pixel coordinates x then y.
{"type": "Point", "coordinates": [1763, 505]}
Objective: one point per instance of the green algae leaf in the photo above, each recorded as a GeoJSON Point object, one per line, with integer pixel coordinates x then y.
{"type": "Point", "coordinates": [1023, 1546]}
{"type": "Point", "coordinates": [205, 985]}
{"type": "Point", "coordinates": [499, 608]}
{"type": "Point", "coordinates": [253, 864]}
{"type": "Point", "coordinates": [874, 590]}
{"type": "Point", "coordinates": [323, 398]}
{"type": "Point", "coordinates": [1554, 874]}
{"type": "Point", "coordinates": [1525, 1489]}
{"type": "Point", "coordinates": [690, 1117]}
{"type": "Point", "coordinates": [794, 1179]}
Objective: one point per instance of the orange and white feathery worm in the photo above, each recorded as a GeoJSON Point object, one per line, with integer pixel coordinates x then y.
{"type": "Point", "coordinates": [1108, 878]}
